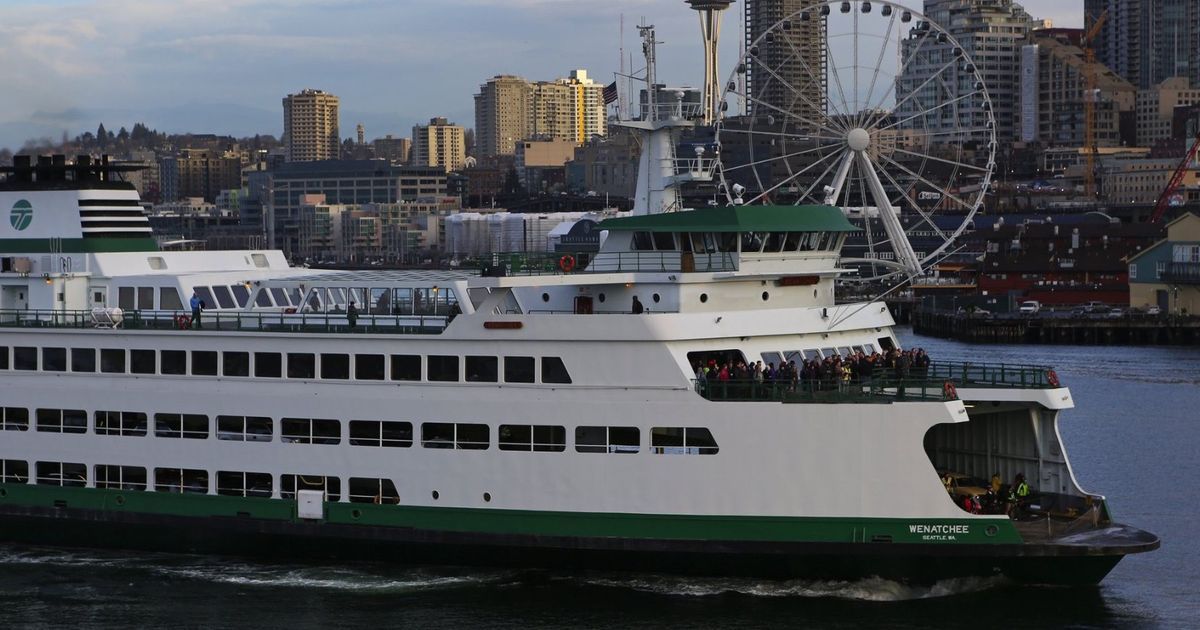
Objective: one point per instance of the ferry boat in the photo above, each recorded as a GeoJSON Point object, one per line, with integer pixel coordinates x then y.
{"type": "Point", "coordinates": [531, 413]}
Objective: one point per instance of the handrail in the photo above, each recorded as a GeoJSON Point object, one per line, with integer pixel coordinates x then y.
{"type": "Point", "coordinates": [874, 390]}
{"type": "Point", "coordinates": [549, 263]}
{"type": "Point", "coordinates": [257, 320]}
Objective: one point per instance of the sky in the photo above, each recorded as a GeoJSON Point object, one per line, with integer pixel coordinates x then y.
{"type": "Point", "coordinates": [223, 66]}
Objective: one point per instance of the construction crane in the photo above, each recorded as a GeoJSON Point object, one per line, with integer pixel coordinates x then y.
{"type": "Point", "coordinates": [1168, 193]}
{"type": "Point", "coordinates": [1089, 105]}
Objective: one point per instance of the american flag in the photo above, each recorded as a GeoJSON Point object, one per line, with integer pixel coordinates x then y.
{"type": "Point", "coordinates": [610, 93]}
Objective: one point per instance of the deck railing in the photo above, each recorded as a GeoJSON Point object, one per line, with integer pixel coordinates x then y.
{"type": "Point", "coordinates": [535, 264]}
{"type": "Point", "coordinates": [263, 321]}
{"type": "Point", "coordinates": [993, 375]}
{"type": "Point", "coordinates": [877, 390]}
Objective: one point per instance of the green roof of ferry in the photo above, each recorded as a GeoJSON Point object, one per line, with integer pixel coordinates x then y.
{"type": "Point", "coordinates": [814, 218]}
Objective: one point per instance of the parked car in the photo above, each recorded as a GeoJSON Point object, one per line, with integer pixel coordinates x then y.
{"type": "Point", "coordinates": [1116, 313]}
{"type": "Point", "coordinates": [1153, 310]}
{"type": "Point", "coordinates": [1095, 307]}
{"type": "Point", "coordinates": [1029, 307]}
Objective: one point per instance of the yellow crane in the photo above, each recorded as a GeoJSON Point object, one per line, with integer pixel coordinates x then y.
{"type": "Point", "coordinates": [1089, 105]}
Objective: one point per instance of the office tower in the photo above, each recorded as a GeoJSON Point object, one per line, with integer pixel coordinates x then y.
{"type": "Point", "coordinates": [439, 144]}
{"type": "Point", "coordinates": [796, 57]}
{"type": "Point", "coordinates": [501, 115]}
{"type": "Point", "coordinates": [310, 126]}
{"type": "Point", "coordinates": [1148, 41]}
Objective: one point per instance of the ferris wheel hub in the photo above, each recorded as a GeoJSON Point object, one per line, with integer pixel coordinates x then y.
{"type": "Point", "coordinates": [858, 139]}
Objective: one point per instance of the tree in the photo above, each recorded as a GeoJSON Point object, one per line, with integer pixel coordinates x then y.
{"type": "Point", "coordinates": [101, 135]}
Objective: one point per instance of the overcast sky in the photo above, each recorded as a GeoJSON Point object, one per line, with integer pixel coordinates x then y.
{"type": "Point", "coordinates": [222, 66]}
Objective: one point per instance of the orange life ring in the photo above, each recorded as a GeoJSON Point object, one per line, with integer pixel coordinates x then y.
{"type": "Point", "coordinates": [567, 263]}
{"type": "Point", "coordinates": [949, 392]}
{"type": "Point", "coordinates": [1052, 378]}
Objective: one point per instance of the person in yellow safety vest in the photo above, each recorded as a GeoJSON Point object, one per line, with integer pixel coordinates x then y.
{"type": "Point", "coordinates": [1020, 490]}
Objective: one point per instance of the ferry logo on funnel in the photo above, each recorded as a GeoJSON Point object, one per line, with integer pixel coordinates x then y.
{"type": "Point", "coordinates": [21, 215]}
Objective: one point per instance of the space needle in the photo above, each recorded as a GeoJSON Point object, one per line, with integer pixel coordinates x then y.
{"type": "Point", "coordinates": [710, 28]}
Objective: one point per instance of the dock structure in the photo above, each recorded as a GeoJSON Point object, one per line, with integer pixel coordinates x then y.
{"type": "Point", "coordinates": [1128, 330]}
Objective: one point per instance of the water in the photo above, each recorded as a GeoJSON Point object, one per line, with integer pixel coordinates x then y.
{"type": "Point", "coordinates": [1133, 437]}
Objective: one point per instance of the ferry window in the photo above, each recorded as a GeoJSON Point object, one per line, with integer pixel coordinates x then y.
{"type": "Point", "coordinates": [377, 491]}
{"type": "Point", "coordinates": [14, 419]}
{"type": "Point", "coordinates": [241, 294]}
{"type": "Point", "coordinates": [14, 471]}
{"type": "Point", "coordinates": [518, 369]}
{"type": "Point", "coordinates": [204, 362]}
{"type": "Point", "coordinates": [281, 298]}
{"type": "Point", "coordinates": [607, 439]}
{"type": "Point", "coordinates": [260, 260]}
{"type": "Point", "coordinates": [244, 428]}
{"type": "Point", "coordinates": [772, 358]}
{"type": "Point", "coordinates": [775, 242]}
{"type": "Point", "coordinates": [306, 431]}
{"type": "Point", "coordinates": [62, 420]}
{"type": "Point", "coordinates": [302, 366]}
{"type": "Point", "coordinates": [443, 368]}
{"type": "Point", "coordinates": [114, 477]}
{"type": "Point", "coordinates": [885, 343]}
{"type": "Point", "coordinates": [290, 484]}
{"type": "Point", "coordinates": [83, 360]}
{"type": "Point", "coordinates": [844, 351]}
{"type": "Point", "coordinates": [174, 362]}
{"type": "Point", "coordinates": [682, 441]}
{"type": "Point", "coordinates": [752, 241]}
{"type": "Point", "coordinates": [457, 436]}
{"type": "Point", "coordinates": [381, 433]}
{"type": "Point", "coordinates": [262, 298]}
{"type": "Point", "coordinates": [539, 438]}
{"type": "Point", "coordinates": [224, 298]}
{"type": "Point", "coordinates": [869, 348]}
{"type": "Point", "coordinates": [268, 365]}
{"type": "Point", "coordinates": [127, 423]}
{"type": "Point", "coordinates": [181, 480]}
{"type": "Point", "coordinates": [176, 425]}
{"type": "Point", "coordinates": [793, 241]}
{"type": "Point", "coordinates": [3, 357]}
{"type": "Point", "coordinates": [112, 361]}
{"type": "Point", "coordinates": [25, 358]}
{"type": "Point", "coordinates": [125, 298]}
{"type": "Point", "coordinates": [811, 354]}
{"type": "Point", "coordinates": [145, 297]}
{"type": "Point", "coordinates": [828, 352]}
{"type": "Point", "coordinates": [664, 241]}
{"type": "Point", "coordinates": [406, 367]}
{"type": "Point", "coordinates": [368, 367]}
{"type": "Point", "coordinates": [482, 369]}
{"type": "Point", "coordinates": [642, 241]}
{"type": "Point", "coordinates": [54, 359]}
{"type": "Point", "coordinates": [205, 296]}
{"type": "Point", "coordinates": [858, 348]}
{"type": "Point", "coordinates": [243, 484]}
{"type": "Point", "coordinates": [335, 366]}
{"type": "Point", "coordinates": [235, 363]}
{"type": "Point", "coordinates": [553, 371]}
{"type": "Point", "coordinates": [142, 362]}
{"type": "Point", "coordinates": [168, 299]}
{"type": "Point", "coordinates": [61, 474]}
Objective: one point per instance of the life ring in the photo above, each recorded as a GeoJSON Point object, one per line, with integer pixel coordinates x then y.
{"type": "Point", "coordinates": [1052, 378]}
{"type": "Point", "coordinates": [949, 392]}
{"type": "Point", "coordinates": [567, 263]}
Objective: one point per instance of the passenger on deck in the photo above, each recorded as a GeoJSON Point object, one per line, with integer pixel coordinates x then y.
{"type": "Point", "coordinates": [638, 309]}
{"type": "Point", "coordinates": [197, 309]}
{"type": "Point", "coordinates": [352, 315]}
{"type": "Point", "coordinates": [1018, 495]}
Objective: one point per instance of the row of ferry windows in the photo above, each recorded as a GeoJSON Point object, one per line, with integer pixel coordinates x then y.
{"type": "Point", "coordinates": [380, 433]}
{"type": "Point", "coordinates": [711, 242]}
{"type": "Point", "coordinates": [336, 366]}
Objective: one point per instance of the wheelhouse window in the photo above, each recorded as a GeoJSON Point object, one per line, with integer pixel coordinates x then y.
{"type": "Point", "coordinates": [61, 474]}
{"type": "Point", "coordinates": [127, 423]}
{"type": "Point", "coordinates": [381, 433]}
{"type": "Point", "coordinates": [244, 484]}
{"type": "Point", "coordinates": [112, 361]}
{"type": "Point", "coordinates": [554, 371]}
{"type": "Point", "coordinates": [54, 359]}
{"type": "Point", "coordinates": [369, 367]}
{"type": "Point", "coordinates": [181, 480]}
{"type": "Point", "coordinates": [607, 439]}
{"type": "Point", "coordinates": [14, 419]}
{"type": "Point", "coordinates": [168, 299]}
{"type": "Point", "coordinates": [406, 367]}
{"type": "Point", "coordinates": [377, 491]}
{"type": "Point", "coordinates": [290, 484]}
{"type": "Point", "coordinates": [14, 471]}
{"type": "Point", "coordinates": [537, 438]}
{"type": "Point", "coordinates": [461, 436]}
{"type": "Point", "coordinates": [268, 365]}
{"type": "Point", "coordinates": [302, 366]}
{"type": "Point", "coordinates": [518, 369]}
{"type": "Point", "coordinates": [83, 360]}
{"type": "Point", "coordinates": [181, 425]}
{"type": "Point", "coordinates": [682, 441]}
{"type": "Point", "coordinates": [310, 431]}
{"type": "Point", "coordinates": [244, 428]}
{"type": "Point", "coordinates": [114, 477]}
{"type": "Point", "coordinates": [482, 369]}
{"type": "Point", "coordinates": [443, 368]}
{"type": "Point", "coordinates": [204, 363]}
{"type": "Point", "coordinates": [62, 420]}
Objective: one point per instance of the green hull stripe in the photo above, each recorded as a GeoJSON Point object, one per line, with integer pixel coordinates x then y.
{"type": "Point", "coordinates": [500, 521]}
{"type": "Point", "coordinates": [92, 245]}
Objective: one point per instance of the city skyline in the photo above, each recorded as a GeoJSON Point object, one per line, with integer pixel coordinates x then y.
{"type": "Point", "coordinates": [221, 66]}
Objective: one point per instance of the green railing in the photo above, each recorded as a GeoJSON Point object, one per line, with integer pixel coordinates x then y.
{"type": "Point", "coordinates": [992, 375]}
{"type": "Point", "coordinates": [875, 390]}
{"type": "Point", "coordinates": [262, 321]}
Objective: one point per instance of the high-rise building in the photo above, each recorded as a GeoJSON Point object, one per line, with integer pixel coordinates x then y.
{"type": "Point", "coordinates": [394, 149]}
{"type": "Point", "coordinates": [439, 144]}
{"type": "Point", "coordinates": [203, 173]}
{"type": "Point", "coordinates": [991, 33]}
{"type": "Point", "coordinates": [509, 109]}
{"type": "Point", "coordinates": [1053, 85]}
{"type": "Point", "coordinates": [501, 115]}
{"type": "Point", "coordinates": [1148, 41]}
{"type": "Point", "coordinates": [310, 126]}
{"type": "Point", "coordinates": [1156, 108]}
{"type": "Point", "coordinates": [796, 58]}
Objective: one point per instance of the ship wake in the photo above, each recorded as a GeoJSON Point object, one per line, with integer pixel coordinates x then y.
{"type": "Point", "coordinates": [869, 589]}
